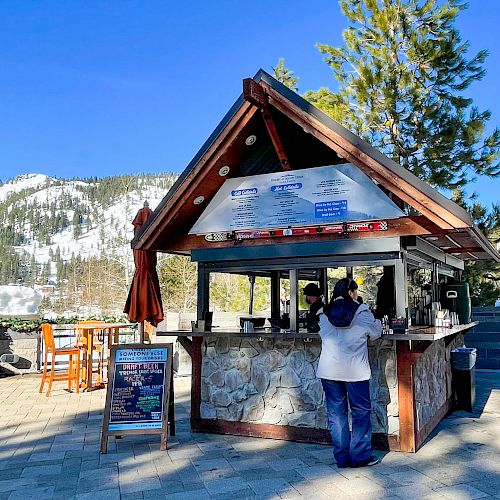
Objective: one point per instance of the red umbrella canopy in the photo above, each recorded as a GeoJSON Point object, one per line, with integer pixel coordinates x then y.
{"type": "Point", "coordinates": [144, 299]}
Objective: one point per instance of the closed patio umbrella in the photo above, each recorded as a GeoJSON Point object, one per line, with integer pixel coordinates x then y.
{"type": "Point", "coordinates": [144, 299]}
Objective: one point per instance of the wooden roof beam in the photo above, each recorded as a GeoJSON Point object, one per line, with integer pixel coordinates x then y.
{"type": "Point", "coordinates": [403, 226]}
{"type": "Point", "coordinates": [351, 152]}
{"type": "Point", "coordinates": [196, 176]}
{"type": "Point", "coordinates": [464, 249]}
{"type": "Point", "coordinates": [254, 93]}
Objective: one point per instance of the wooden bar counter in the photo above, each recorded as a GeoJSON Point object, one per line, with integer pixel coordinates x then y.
{"type": "Point", "coordinates": [264, 384]}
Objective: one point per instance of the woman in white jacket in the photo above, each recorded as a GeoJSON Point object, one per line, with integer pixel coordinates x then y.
{"type": "Point", "coordinates": [344, 370]}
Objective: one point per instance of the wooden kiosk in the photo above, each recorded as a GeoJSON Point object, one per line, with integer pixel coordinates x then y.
{"type": "Point", "coordinates": [238, 208]}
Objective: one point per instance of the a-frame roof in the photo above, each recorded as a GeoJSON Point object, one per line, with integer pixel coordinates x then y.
{"type": "Point", "coordinates": [292, 134]}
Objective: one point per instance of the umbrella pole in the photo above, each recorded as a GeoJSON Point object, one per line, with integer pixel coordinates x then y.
{"type": "Point", "coordinates": [141, 332]}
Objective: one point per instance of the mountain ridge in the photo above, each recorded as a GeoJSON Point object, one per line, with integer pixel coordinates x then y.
{"type": "Point", "coordinates": [48, 225]}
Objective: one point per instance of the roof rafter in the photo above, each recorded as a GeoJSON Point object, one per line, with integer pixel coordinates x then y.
{"type": "Point", "coordinates": [196, 176]}
{"type": "Point", "coordinates": [255, 93]}
{"type": "Point", "coordinates": [349, 151]}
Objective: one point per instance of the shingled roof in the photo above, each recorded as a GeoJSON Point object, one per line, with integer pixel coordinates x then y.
{"type": "Point", "coordinates": [292, 134]}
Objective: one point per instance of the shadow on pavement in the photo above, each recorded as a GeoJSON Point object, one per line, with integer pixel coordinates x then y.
{"type": "Point", "coordinates": [49, 448]}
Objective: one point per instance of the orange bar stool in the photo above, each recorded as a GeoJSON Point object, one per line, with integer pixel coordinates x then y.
{"type": "Point", "coordinates": [73, 373]}
{"type": "Point", "coordinates": [97, 346]}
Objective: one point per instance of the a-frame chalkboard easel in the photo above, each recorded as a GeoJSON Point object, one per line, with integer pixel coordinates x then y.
{"type": "Point", "coordinates": [140, 393]}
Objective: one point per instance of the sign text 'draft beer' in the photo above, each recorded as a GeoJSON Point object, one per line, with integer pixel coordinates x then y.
{"type": "Point", "coordinates": [139, 399]}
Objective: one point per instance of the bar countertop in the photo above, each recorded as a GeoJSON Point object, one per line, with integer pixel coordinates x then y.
{"type": "Point", "coordinates": [429, 333]}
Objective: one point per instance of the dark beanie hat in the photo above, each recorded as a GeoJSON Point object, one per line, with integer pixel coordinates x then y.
{"type": "Point", "coordinates": [343, 286]}
{"type": "Point", "coordinates": [312, 289]}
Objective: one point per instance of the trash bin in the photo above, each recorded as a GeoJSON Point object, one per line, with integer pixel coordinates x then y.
{"type": "Point", "coordinates": [463, 361]}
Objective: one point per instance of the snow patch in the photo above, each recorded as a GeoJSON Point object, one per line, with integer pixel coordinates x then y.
{"type": "Point", "coordinates": [18, 300]}
{"type": "Point", "coordinates": [23, 182]}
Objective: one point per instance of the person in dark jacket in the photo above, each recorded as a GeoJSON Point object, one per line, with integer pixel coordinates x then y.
{"type": "Point", "coordinates": [344, 370]}
{"type": "Point", "coordinates": [314, 298]}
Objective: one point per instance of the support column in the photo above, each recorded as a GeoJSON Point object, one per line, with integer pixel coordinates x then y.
{"type": "Point", "coordinates": [401, 285]}
{"type": "Point", "coordinates": [294, 300]}
{"type": "Point", "coordinates": [435, 282]}
{"type": "Point", "coordinates": [275, 295]}
{"type": "Point", "coordinates": [323, 280]}
{"type": "Point", "coordinates": [251, 279]}
{"type": "Point", "coordinates": [203, 291]}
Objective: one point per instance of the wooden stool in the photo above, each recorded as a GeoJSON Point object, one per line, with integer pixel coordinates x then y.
{"type": "Point", "coordinates": [73, 373]}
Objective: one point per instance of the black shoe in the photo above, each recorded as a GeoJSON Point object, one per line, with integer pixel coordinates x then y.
{"type": "Point", "coordinates": [367, 463]}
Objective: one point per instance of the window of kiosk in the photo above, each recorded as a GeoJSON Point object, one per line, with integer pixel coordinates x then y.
{"type": "Point", "coordinates": [419, 295]}
{"type": "Point", "coordinates": [369, 279]}
{"type": "Point", "coordinates": [239, 295]}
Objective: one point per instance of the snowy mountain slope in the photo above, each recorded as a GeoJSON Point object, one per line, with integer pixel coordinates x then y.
{"type": "Point", "coordinates": [41, 216]}
{"type": "Point", "coordinates": [28, 181]}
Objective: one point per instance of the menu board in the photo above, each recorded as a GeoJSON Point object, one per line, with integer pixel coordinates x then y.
{"type": "Point", "coordinates": [315, 196]}
{"type": "Point", "coordinates": [138, 390]}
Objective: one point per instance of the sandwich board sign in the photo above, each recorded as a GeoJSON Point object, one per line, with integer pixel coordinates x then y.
{"type": "Point", "coordinates": [139, 398]}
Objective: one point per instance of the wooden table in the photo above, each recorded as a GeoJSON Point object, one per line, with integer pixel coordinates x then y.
{"type": "Point", "coordinates": [88, 329]}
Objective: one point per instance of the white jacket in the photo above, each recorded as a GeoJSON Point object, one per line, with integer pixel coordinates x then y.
{"type": "Point", "coordinates": [344, 352]}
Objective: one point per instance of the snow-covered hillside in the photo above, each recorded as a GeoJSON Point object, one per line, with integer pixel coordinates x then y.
{"type": "Point", "coordinates": [28, 181]}
{"type": "Point", "coordinates": [42, 216]}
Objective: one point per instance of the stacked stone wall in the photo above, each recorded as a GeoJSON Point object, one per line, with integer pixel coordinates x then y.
{"type": "Point", "coordinates": [433, 379]}
{"type": "Point", "coordinates": [273, 381]}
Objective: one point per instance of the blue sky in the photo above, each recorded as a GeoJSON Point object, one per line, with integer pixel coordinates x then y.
{"type": "Point", "coordinates": [100, 87]}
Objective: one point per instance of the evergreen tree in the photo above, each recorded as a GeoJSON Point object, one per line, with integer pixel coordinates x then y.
{"type": "Point", "coordinates": [403, 73]}
{"type": "Point", "coordinates": [483, 276]}
{"type": "Point", "coordinates": [285, 76]}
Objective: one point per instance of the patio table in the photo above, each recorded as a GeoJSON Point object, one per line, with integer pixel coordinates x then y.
{"type": "Point", "coordinates": [112, 333]}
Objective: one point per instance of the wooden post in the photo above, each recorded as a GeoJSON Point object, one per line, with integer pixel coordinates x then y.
{"type": "Point", "coordinates": [406, 398]}
{"type": "Point", "coordinates": [171, 403]}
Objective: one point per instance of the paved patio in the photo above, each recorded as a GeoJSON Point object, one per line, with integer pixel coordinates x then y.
{"type": "Point", "coordinates": [49, 448]}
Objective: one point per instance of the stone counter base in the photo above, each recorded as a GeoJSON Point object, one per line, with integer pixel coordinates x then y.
{"type": "Point", "coordinates": [274, 382]}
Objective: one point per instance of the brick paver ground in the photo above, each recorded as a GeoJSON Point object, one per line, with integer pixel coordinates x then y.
{"type": "Point", "coordinates": [49, 448]}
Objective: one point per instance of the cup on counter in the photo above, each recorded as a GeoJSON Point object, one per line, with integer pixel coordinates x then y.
{"type": "Point", "coordinates": [248, 327]}
{"type": "Point", "coordinates": [198, 326]}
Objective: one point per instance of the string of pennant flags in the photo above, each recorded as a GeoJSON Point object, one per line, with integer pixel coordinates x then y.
{"type": "Point", "coordinates": [341, 228]}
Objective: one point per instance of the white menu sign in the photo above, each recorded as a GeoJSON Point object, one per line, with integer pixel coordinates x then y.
{"type": "Point", "coordinates": [314, 196]}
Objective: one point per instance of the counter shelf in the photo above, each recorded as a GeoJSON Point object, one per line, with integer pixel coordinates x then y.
{"type": "Point", "coordinates": [429, 333]}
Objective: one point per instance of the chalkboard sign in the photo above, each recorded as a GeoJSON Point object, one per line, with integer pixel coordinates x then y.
{"type": "Point", "coordinates": [139, 399]}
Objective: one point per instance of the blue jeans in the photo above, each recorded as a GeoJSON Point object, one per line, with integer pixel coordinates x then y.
{"type": "Point", "coordinates": [349, 448]}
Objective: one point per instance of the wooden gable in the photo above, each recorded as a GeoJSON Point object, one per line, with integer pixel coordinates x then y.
{"type": "Point", "coordinates": [270, 129]}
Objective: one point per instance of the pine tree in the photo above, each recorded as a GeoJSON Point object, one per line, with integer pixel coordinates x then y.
{"type": "Point", "coordinates": [403, 73]}
{"type": "Point", "coordinates": [285, 76]}
{"type": "Point", "coordinates": [483, 276]}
